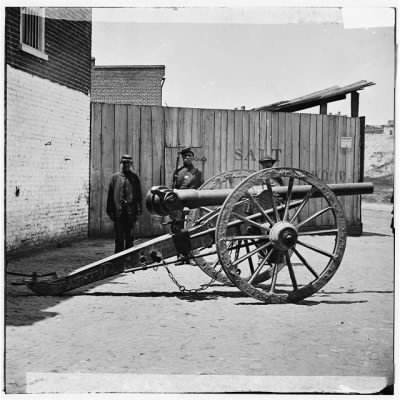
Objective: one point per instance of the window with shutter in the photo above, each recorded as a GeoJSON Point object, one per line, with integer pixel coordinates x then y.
{"type": "Point", "coordinates": [32, 31]}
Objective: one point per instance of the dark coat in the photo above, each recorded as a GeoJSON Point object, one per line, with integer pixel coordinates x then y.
{"type": "Point", "coordinates": [131, 200]}
{"type": "Point", "coordinates": [188, 178]}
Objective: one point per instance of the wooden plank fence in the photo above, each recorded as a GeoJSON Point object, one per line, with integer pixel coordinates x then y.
{"type": "Point", "coordinates": [223, 140]}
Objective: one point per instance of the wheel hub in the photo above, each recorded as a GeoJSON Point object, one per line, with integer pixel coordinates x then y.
{"type": "Point", "coordinates": [283, 235]}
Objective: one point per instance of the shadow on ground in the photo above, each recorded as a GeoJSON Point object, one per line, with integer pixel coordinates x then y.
{"type": "Point", "coordinates": [22, 310]}
{"type": "Point", "coordinates": [210, 295]}
{"type": "Point", "coordinates": [23, 307]}
{"type": "Point", "coordinates": [376, 234]}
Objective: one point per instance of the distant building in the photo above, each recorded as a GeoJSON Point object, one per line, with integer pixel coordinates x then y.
{"type": "Point", "coordinates": [47, 96]}
{"type": "Point", "coordinates": [386, 129]}
{"type": "Point", "coordinates": [127, 84]}
{"type": "Point", "coordinates": [374, 129]}
{"type": "Point", "coordinates": [389, 128]}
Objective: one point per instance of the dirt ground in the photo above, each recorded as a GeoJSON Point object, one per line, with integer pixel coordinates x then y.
{"type": "Point", "coordinates": [136, 333]}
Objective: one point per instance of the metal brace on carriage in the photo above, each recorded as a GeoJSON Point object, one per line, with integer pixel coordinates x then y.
{"type": "Point", "coordinates": [275, 242]}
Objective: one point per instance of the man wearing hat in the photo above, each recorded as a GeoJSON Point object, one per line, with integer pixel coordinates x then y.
{"type": "Point", "coordinates": [124, 203]}
{"type": "Point", "coordinates": [268, 162]}
{"type": "Point", "coordinates": [187, 176]}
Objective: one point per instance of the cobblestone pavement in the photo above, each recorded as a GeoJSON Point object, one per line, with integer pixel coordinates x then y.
{"type": "Point", "coordinates": [140, 326]}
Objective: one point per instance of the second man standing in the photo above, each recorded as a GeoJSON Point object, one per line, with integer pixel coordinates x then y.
{"type": "Point", "coordinates": [187, 176]}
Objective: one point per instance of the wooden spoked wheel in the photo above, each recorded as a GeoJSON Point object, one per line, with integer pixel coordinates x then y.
{"type": "Point", "coordinates": [207, 258]}
{"type": "Point", "coordinates": [299, 242]}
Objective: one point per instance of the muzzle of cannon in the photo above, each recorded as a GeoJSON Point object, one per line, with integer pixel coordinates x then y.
{"type": "Point", "coordinates": [279, 234]}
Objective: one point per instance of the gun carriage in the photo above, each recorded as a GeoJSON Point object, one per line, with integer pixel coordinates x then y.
{"type": "Point", "coordinates": [279, 235]}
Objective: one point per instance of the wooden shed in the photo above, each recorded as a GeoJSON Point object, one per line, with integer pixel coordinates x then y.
{"type": "Point", "coordinates": [329, 146]}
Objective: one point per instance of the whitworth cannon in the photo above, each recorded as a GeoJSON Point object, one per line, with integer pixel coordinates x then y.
{"type": "Point", "coordinates": [279, 235]}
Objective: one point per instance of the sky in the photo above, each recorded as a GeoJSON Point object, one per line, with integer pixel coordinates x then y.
{"type": "Point", "coordinates": [230, 57]}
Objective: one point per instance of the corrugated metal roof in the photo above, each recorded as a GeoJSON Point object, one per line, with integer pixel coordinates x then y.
{"type": "Point", "coordinates": [129, 67]}
{"type": "Point", "coordinates": [328, 95]}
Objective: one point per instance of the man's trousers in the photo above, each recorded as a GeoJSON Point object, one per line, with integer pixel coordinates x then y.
{"type": "Point", "coordinates": [124, 235]}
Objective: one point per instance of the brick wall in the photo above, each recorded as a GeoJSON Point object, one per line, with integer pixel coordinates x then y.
{"type": "Point", "coordinates": [139, 85]}
{"type": "Point", "coordinates": [47, 161]}
{"type": "Point", "coordinates": [68, 41]}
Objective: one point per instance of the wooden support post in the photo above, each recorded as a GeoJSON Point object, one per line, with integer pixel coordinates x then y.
{"type": "Point", "coordinates": [323, 108]}
{"type": "Point", "coordinates": [362, 149]}
{"type": "Point", "coordinates": [354, 104]}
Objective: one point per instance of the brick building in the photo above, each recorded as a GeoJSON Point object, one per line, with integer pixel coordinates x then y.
{"type": "Point", "coordinates": [127, 84]}
{"type": "Point", "coordinates": [47, 85]}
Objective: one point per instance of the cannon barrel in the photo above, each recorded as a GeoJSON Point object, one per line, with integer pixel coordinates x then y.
{"type": "Point", "coordinates": [340, 189]}
{"type": "Point", "coordinates": [161, 200]}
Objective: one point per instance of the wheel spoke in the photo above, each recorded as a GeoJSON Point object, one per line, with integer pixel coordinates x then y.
{"type": "Point", "coordinates": [288, 198]}
{"type": "Point", "coordinates": [236, 247]}
{"type": "Point", "coordinates": [246, 256]}
{"type": "Point", "coordinates": [321, 232]}
{"type": "Point", "coordinates": [303, 203]}
{"type": "Point", "coordinates": [250, 259]}
{"type": "Point", "coordinates": [258, 206]}
{"type": "Point", "coordinates": [258, 215]}
{"type": "Point", "coordinates": [304, 261]}
{"type": "Point", "coordinates": [259, 268]}
{"type": "Point", "coordinates": [274, 278]}
{"type": "Point", "coordinates": [291, 271]}
{"type": "Point", "coordinates": [244, 219]}
{"type": "Point", "coordinates": [313, 216]}
{"type": "Point", "coordinates": [263, 254]}
{"type": "Point", "coordinates": [274, 206]}
{"type": "Point", "coordinates": [244, 237]}
{"type": "Point", "coordinates": [212, 214]}
{"type": "Point", "coordinates": [255, 244]}
{"type": "Point", "coordinates": [237, 250]}
{"type": "Point", "coordinates": [317, 249]}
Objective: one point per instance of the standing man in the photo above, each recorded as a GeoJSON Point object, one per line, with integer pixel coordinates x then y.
{"type": "Point", "coordinates": [187, 176]}
{"type": "Point", "coordinates": [124, 203]}
{"type": "Point", "coordinates": [268, 162]}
